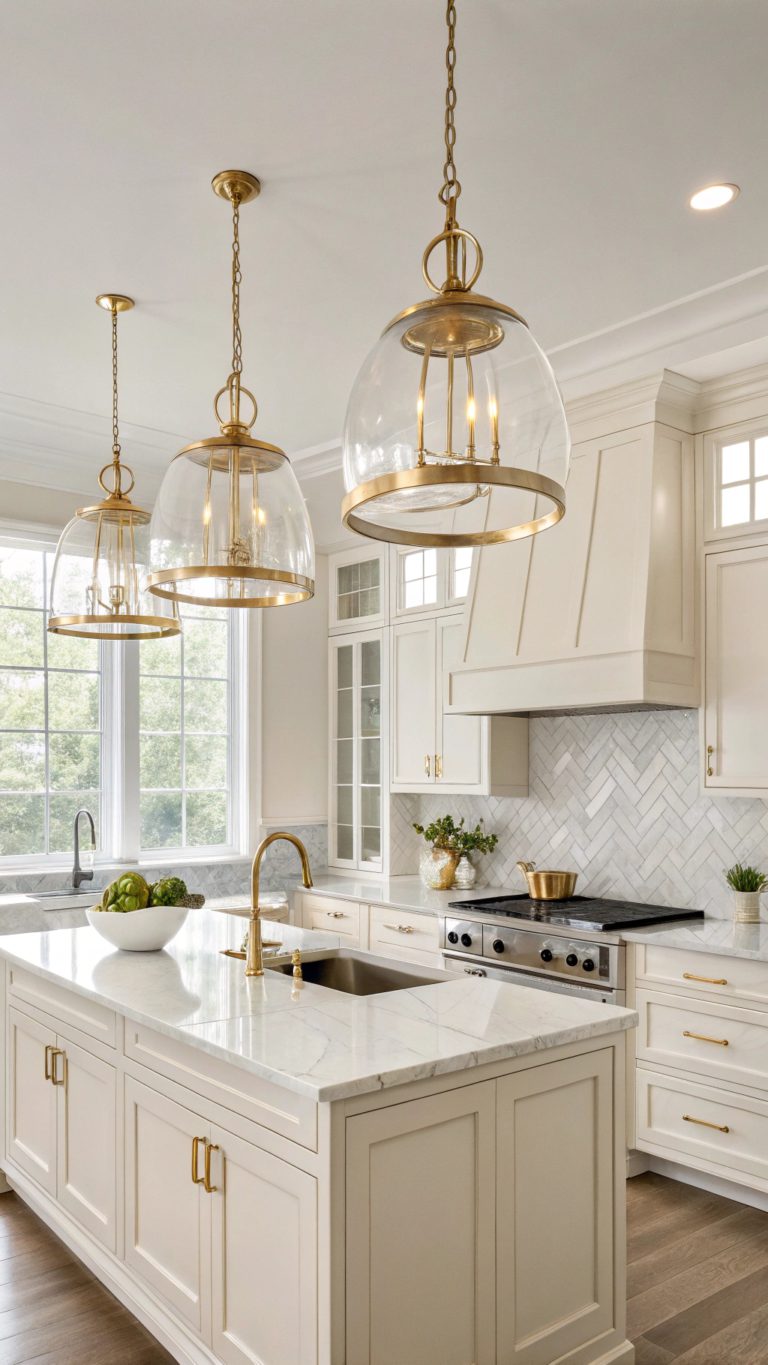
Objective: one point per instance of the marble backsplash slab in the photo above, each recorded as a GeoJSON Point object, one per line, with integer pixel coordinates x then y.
{"type": "Point", "coordinates": [618, 799]}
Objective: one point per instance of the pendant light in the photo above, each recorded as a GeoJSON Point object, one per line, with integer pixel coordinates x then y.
{"type": "Point", "coordinates": [230, 527]}
{"type": "Point", "coordinates": [97, 583]}
{"type": "Point", "coordinates": [455, 399]}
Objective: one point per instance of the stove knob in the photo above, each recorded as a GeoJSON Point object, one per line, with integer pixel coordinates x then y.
{"type": "Point", "coordinates": [546, 955]}
{"type": "Point", "coordinates": [466, 940]}
{"type": "Point", "coordinates": [588, 964]}
{"type": "Point", "coordinates": [453, 936]}
{"type": "Point", "coordinates": [571, 960]}
{"type": "Point", "coordinates": [498, 945]}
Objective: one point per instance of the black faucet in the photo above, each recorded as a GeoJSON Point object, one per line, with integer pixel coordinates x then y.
{"type": "Point", "coordinates": [78, 875]}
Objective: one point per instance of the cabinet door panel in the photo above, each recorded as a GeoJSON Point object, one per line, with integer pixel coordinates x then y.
{"type": "Point", "coordinates": [420, 1217]}
{"type": "Point", "coordinates": [167, 1216]}
{"type": "Point", "coordinates": [555, 1159]}
{"type": "Point", "coordinates": [87, 1142]}
{"type": "Point", "coordinates": [460, 738]}
{"type": "Point", "coordinates": [736, 665]}
{"type": "Point", "coordinates": [413, 703]}
{"type": "Point", "coordinates": [31, 1100]}
{"type": "Point", "coordinates": [265, 1297]}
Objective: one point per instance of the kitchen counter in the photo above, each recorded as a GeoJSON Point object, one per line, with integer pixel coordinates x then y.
{"type": "Point", "coordinates": [708, 936]}
{"type": "Point", "coordinates": [317, 1042]}
{"type": "Point", "coordinates": [399, 893]}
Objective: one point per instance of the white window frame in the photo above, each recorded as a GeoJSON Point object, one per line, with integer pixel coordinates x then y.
{"type": "Point", "coordinates": [119, 821]}
{"type": "Point", "coordinates": [445, 599]}
{"type": "Point", "coordinates": [713, 446]}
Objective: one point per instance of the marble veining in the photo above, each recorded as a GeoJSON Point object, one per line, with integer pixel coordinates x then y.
{"type": "Point", "coordinates": [709, 936]}
{"type": "Point", "coordinates": [315, 1041]}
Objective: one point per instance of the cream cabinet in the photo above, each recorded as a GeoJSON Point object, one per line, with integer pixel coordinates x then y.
{"type": "Point", "coordinates": [223, 1231]}
{"type": "Point", "coordinates": [61, 1121]}
{"type": "Point", "coordinates": [359, 750]}
{"type": "Point", "coordinates": [431, 749]}
{"type": "Point", "coordinates": [735, 760]}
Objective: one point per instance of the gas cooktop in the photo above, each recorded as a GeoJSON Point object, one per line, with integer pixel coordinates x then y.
{"type": "Point", "coordinates": [578, 912]}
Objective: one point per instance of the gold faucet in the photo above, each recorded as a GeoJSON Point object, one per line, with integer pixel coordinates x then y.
{"type": "Point", "coordinates": [254, 958]}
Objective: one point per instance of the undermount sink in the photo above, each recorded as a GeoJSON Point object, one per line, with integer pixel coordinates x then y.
{"type": "Point", "coordinates": [361, 973]}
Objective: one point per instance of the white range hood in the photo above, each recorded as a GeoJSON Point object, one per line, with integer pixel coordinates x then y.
{"type": "Point", "coordinates": [598, 612]}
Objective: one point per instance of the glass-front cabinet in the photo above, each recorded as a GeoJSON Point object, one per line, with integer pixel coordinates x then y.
{"type": "Point", "coordinates": [358, 750]}
{"type": "Point", "coordinates": [358, 596]}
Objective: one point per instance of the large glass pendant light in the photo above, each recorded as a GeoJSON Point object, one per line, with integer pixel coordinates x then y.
{"type": "Point", "coordinates": [98, 579]}
{"type": "Point", "coordinates": [230, 526]}
{"type": "Point", "coordinates": [455, 400]}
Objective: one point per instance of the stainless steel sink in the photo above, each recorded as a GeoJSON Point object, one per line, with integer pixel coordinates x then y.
{"type": "Point", "coordinates": [361, 973]}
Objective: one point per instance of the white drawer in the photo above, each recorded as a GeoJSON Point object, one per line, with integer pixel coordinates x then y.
{"type": "Point", "coordinates": [719, 1131]}
{"type": "Point", "coordinates": [722, 978]}
{"type": "Point", "coordinates": [721, 1042]}
{"type": "Point", "coordinates": [283, 1111]}
{"type": "Point", "coordinates": [404, 930]}
{"type": "Point", "coordinates": [65, 1006]}
{"type": "Point", "coordinates": [335, 916]}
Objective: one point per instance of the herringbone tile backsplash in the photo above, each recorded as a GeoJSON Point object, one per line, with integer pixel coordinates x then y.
{"type": "Point", "coordinates": [617, 798]}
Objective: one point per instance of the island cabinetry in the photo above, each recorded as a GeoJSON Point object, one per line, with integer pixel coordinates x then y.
{"type": "Point", "coordinates": [222, 1230]}
{"type": "Point", "coordinates": [456, 1246]}
{"type": "Point", "coordinates": [61, 1120]}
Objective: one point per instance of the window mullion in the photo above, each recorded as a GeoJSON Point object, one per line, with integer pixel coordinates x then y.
{"type": "Point", "coordinates": [125, 786]}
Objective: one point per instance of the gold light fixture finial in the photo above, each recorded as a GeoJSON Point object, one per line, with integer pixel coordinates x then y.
{"type": "Point", "coordinates": [478, 410]}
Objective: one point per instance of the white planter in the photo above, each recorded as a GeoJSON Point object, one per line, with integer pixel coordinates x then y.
{"type": "Point", "coordinates": [746, 906]}
{"type": "Point", "coordinates": [465, 874]}
{"type": "Point", "coordinates": [139, 931]}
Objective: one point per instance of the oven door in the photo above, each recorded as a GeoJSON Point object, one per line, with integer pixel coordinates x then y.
{"type": "Point", "coordinates": [471, 967]}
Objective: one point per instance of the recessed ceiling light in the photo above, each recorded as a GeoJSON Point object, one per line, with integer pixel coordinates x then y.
{"type": "Point", "coordinates": [713, 196]}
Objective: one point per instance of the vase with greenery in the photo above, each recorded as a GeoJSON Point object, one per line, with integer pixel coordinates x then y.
{"type": "Point", "coordinates": [450, 844]}
{"type": "Point", "coordinates": [746, 884]}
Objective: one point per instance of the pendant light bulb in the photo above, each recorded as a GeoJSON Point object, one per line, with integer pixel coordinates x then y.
{"type": "Point", "coordinates": [98, 587]}
{"type": "Point", "coordinates": [230, 527]}
{"type": "Point", "coordinates": [455, 401]}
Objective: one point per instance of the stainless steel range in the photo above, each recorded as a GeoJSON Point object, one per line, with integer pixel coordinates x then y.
{"type": "Point", "coordinates": [571, 946]}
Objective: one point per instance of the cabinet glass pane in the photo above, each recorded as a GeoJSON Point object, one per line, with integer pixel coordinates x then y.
{"type": "Point", "coordinates": [344, 713]}
{"type": "Point", "coordinates": [358, 591]}
{"type": "Point", "coordinates": [371, 844]}
{"type": "Point", "coordinates": [370, 805]}
{"type": "Point", "coordinates": [370, 662]}
{"type": "Point", "coordinates": [344, 804]}
{"type": "Point", "coordinates": [735, 462]}
{"type": "Point", "coordinates": [344, 761]}
{"type": "Point", "coordinates": [344, 666]}
{"type": "Point", "coordinates": [734, 505]}
{"type": "Point", "coordinates": [370, 761]}
{"type": "Point", "coordinates": [370, 711]}
{"type": "Point", "coordinates": [345, 842]}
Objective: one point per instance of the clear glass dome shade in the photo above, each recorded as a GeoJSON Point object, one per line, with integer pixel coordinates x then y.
{"type": "Point", "coordinates": [455, 400]}
{"type": "Point", "coordinates": [98, 583]}
{"type": "Point", "coordinates": [230, 526]}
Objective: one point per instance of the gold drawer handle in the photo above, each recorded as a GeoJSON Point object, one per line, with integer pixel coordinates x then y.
{"type": "Point", "coordinates": [438, 765]}
{"type": "Point", "coordinates": [209, 1188]}
{"type": "Point", "coordinates": [719, 1127]}
{"type": "Point", "coordinates": [702, 1038]}
{"type": "Point", "coordinates": [427, 766]}
{"type": "Point", "coordinates": [49, 1048]}
{"type": "Point", "coordinates": [710, 980]}
{"type": "Point", "coordinates": [57, 1052]}
{"type": "Point", "coordinates": [196, 1179]}
{"type": "Point", "coordinates": [710, 752]}
{"type": "Point", "coordinates": [336, 914]}
{"type": "Point", "coordinates": [400, 928]}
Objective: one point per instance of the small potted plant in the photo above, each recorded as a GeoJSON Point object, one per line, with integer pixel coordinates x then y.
{"type": "Point", "coordinates": [471, 841]}
{"type": "Point", "coordinates": [448, 842]}
{"type": "Point", "coordinates": [746, 885]}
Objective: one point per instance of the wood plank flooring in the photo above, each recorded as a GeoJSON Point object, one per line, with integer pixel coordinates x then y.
{"type": "Point", "coordinates": [697, 1279]}
{"type": "Point", "coordinates": [52, 1310]}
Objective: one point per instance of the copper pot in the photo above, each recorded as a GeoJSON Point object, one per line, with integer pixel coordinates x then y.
{"type": "Point", "coordinates": [548, 886]}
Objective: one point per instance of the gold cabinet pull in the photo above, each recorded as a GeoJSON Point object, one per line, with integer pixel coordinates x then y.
{"type": "Point", "coordinates": [705, 1123]}
{"type": "Point", "coordinates": [209, 1188]}
{"type": "Point", "coordinates": [336, 914]}
{"type": "Point", "coordinates": [57, 1052]}
{"type": "Point", "coordinates": [196, 1179]}
{"type": "Point", "coordinates": [400, 928]}
{"type": "Point", "coordinates": [427, 765]}
{"type": "Point", "coordinates": [438, 765]}
{"type": "Point", "coordinates": [703, 1038]}
{"type": "Point", "coordinates": [710, 980]}
{"type": "Point", "coordinates": [49, 1048]}
{"type": "Point", "coordinates": [710, 752]}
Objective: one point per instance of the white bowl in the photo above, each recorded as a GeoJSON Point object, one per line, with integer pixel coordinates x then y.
{"type": "Point", "coordinates": [139, 931]}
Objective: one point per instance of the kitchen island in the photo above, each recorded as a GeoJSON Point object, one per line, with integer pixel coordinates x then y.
{"type": "Point", "coordinates": [268, 1170]}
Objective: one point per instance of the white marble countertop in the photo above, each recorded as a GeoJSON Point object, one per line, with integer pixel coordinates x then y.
{"type": "Point", "coordinates": [708, 936]}
{"type": "Point", "coordinates": [399, 893]}
{"type": "Point", "coordinates": [318, 1042]}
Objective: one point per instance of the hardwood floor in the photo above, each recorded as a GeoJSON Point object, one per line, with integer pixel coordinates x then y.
{"type": "Point", "coordinates": [697, 1280]}
{"type": "Point", "coordinates": [52, 1310]}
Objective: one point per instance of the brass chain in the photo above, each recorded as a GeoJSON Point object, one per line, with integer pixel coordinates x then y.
{"type": "Point", "coordinates": [451, 186]}
{"type": "Point", "coordinates": [115, 427]}
{"type": "Point", "coordinates": [237, 336]}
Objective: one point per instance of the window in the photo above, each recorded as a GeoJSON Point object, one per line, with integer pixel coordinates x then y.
{"type": "Point", "coordinates": [461, 567]}
{"type": "Point", "coordinates": [70, 707]}
{"type": "Point", "coordinates": [418, 579]}
{"type": "Point", "coordinates": [743, 481]}
{"type": "Point", "coordinates": [184, 720]}
{"type": "Point", "coordinates": [51, 734]}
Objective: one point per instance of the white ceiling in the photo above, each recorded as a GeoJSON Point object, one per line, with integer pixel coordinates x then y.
{"type": "Point", "coordinates": [583, 126]}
